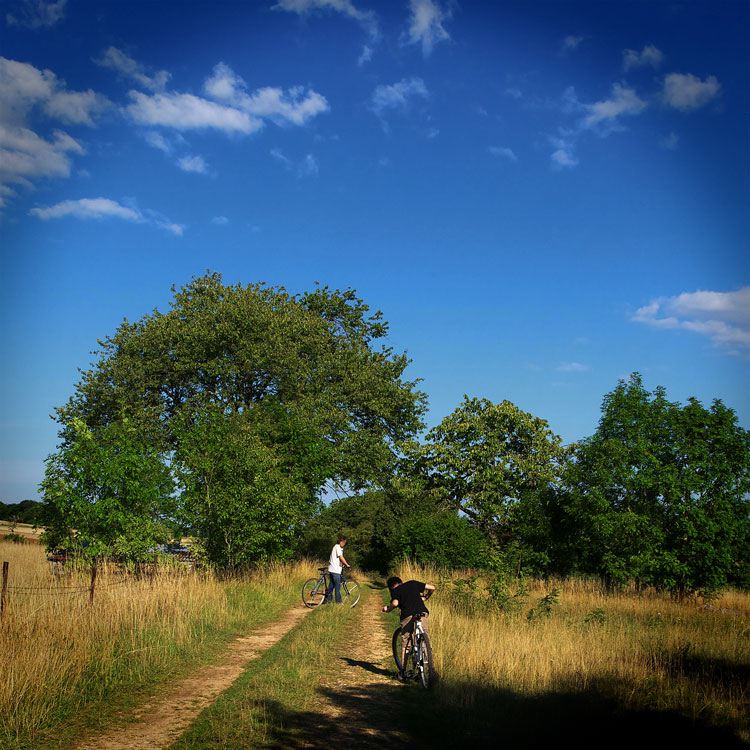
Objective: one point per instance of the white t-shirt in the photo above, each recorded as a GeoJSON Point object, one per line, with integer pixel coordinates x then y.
{"type": "Point", "coordinates": [334, 566]}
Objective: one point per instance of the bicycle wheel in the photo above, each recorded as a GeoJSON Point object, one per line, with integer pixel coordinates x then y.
{"type": "Point", "coordinates": [425, 667]}
{"type": "Point", "coordinates": [350, 593]}
{"type": "Point", "coordinates": [397, 645]}
{"type": "Point", "coordinates": [313, 591]}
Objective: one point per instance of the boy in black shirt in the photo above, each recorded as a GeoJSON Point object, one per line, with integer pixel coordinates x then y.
{"type": "Point", "coordinates": [408, 597]}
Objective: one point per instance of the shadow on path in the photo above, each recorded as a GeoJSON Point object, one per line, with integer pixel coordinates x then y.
{"type": "Point", "coordinates": [369, 666]}
{"type": "Point", "coordinates": [458, 716]}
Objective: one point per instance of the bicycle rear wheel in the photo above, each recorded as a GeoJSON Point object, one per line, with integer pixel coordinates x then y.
{"type": "Point", "coordinates": [313, 591]}
{"type": "Point", "coordinates": [425, 667]}
{"type": "Point", "coordinates": [350, 593]}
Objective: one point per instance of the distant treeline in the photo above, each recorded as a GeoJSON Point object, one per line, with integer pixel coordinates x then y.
{"type": "Point", "coordinates": [232, 414]}
{"type": "Point", "coordinates": [27, 511]}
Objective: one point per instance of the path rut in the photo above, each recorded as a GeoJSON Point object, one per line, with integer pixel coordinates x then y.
{"type": "Point", "coordinates": [158, 723]}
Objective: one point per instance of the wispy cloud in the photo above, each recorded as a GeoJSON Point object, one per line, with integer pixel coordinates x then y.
{"type": "Point", "coordinates": [365, 18]}
{"type": "Point", "coordinates": [117, 60]}
{"type": "Point", "coordinates": [37, 14]}
{"type": "Point", "coordinates": [671, 142]}
{"type": "Point", "coordinates": [649, 56]}
{"type": "Point", "coordinates": [397, 97]}
{"type": "Point", "coordinates": [193, 163]}
{"type": "Point", "coordinates": [686, 92]}
{"type": "Point", "coordinates": [426, 24]}
{"type": "Point", "coordinates": [503, 152]}
{"type": "Point", "coordinates": [724, 317]}
{"type": "Point", "coordinates": [220, 221]}
{"type": "Point", "coordinates": [105, 208]}
{"type": "Point", "coordinates": [365, 56]}
{"type": "Point", "coordinates": [571, 42]}
{"type": "Point", "coordinates": [307, 167]}
{"type": "Point", "coordinates": [572, 367]}
{"type": "Point", "coordinates": [623, 101]}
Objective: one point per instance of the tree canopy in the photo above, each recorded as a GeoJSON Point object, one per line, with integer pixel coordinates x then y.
{"type": "Point", "coordinates": [659, 493]}
{"type": "Point", "coordinates": [251, 398]}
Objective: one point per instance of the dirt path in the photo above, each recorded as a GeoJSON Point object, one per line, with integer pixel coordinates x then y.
{"type": "Point", "coordinates": [358, 706]}
{"type": "Point", "coordinates": [158, 723]}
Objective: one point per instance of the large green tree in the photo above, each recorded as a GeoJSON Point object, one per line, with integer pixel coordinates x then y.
{"type": "Point", "coordinates": [494, 463]}
{"type": "Point", "coordinates": [253, 398]}
{"type": "Point", "coordinates": [659, 494]}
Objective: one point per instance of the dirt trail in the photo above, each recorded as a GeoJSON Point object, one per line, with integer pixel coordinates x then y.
{"type": "Point", "coordinates": [358, 706]}
{"type": "Point", "coordinates": [158, 723]}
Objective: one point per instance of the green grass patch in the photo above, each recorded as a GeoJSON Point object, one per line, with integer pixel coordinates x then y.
{"type": "Point", "coordinates": [273, 703]}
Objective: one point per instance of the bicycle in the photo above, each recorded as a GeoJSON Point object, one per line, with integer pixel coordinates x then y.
{"type": "Point", "coordinates": [314, 590]}
{"type": "Point", "coordinates": [418, 664]}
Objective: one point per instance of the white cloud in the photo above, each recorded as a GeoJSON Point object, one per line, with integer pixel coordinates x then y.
{"type": "Point", "coordinates": [572, 367]}
{"type": "Point", "coordinates": [503, 152]}
{"type": "Point", "coordinates": [426, 24]}
{"type": "Point", "coordinates": [115, 59]}
{"type": "Point", "coordinates": [686, 92]}
{"type": "Point", "coordinates": [571, 42]}
{"type": "Point", "coordinates": [514, 93]}
{"type": "Point", "coordinates": [648, 56]}
{"type": "Point", "coordinates": [22, 87]}
{"type": "Point", "coordinates": [624, 101]}
{"type": "Point", "coordinates": [670, 142]}
{"type": "Point", "coordinates": [37, 14]}
{"type": "Point", "coordinates": [722, 316]}
{"type": "Point", "coordinates": [563, 156]}
{"type": "Point", "coordinates": [229, 108]}
{"type": "Point", "coordinates": [296, 106]}
{"type": "Point", "coordinates": [191, 163]}
{"type": "Point", "coordinates": [156, 140]}
{"type": "Point", "coordinates": [25, 156]}
{"type": "Point", "coordinates": [397, 96]}
{"type": "Point", "coordinates": [220, 221]}
{"type": "Point", "coordinates": [279, 155]}
{"type": "Point", "coordinates": [188, 112]}
{"type": "Point", "coordinates": [76, 107]}
{"type": "Point", "coordinates": [366, 18]}
{"type": "Point", "coordinates": [105, 208]}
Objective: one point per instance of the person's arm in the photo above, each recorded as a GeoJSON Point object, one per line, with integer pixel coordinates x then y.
{"type": "Point", "coordinates": [343, 559]}
{"type": "Point", "coordinates": [429, 590]}
{"type": "Point", "coordinates": [390, 607]}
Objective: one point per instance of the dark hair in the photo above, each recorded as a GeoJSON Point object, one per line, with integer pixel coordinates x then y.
{"type": "Point", "coordinates": [393, 581]}
{"type": "Point", "coordinates": [341, 538]}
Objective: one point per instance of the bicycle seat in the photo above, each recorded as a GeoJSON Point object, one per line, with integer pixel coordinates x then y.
{"type": "Point", "coordinates": [323, 570]}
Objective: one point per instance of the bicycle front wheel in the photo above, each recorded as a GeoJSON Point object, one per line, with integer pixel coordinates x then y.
{"type": "Point", "coordinates": [424, 665]}
{"type": "Point", "coordinates": [350, 593]}
{"type": "Point", "coordinates": [397, 645]}
{"type": "Point", "coordinates": [313, 591]}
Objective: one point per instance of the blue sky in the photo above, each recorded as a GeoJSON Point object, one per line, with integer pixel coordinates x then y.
{"type": "Point", "coordinates": [541, 197]}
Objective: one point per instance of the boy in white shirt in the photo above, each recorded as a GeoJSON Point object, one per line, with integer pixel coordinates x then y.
{"type": "Point", "coordinates": [335, 569]}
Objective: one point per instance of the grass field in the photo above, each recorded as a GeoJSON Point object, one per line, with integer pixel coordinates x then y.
{"type": "Point", "coordinates": [68, 666]}
{"type": "Point", "coordinates": [589, 663]}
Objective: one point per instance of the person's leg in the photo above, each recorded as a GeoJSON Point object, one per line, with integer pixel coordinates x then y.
{"type": "Point", "coordinates": [337, 586]}
{"type": "Point", "coordinates": [329, 588]}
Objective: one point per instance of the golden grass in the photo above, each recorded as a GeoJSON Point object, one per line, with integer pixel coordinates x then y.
{"type": "Point", "coordinates": [641, 650]}
{"type": "Point", "coordinates": [60, 655]}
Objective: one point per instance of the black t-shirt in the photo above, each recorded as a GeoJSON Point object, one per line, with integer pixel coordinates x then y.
{"type": "Point", "coordinates": [409, 600]}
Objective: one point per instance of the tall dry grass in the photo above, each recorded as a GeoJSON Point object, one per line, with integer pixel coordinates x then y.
{"type": "Point", "coordinates": [59, 656]}
{"type": "Point", "coordinates": [642, 650]}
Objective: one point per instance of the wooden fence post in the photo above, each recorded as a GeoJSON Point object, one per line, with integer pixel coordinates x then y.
{"type": "Point", "coordinates": [93, 582]}
{"type": "Point", "coordinates": [4, 593]}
